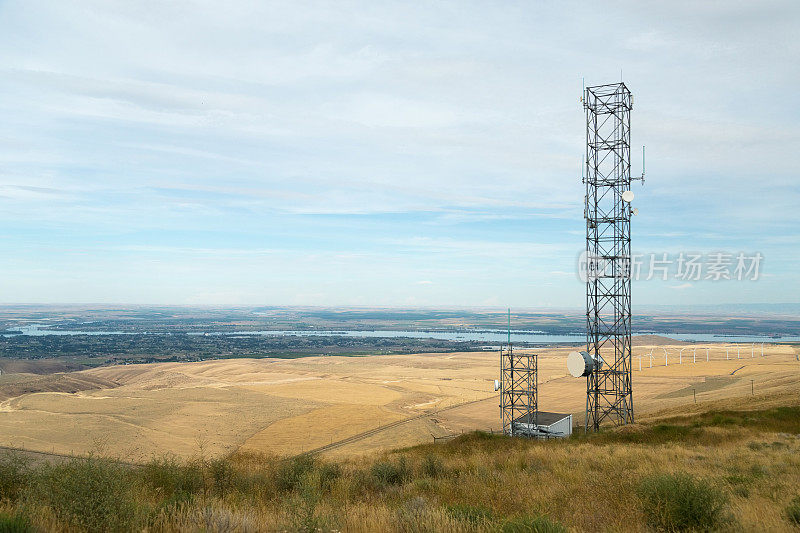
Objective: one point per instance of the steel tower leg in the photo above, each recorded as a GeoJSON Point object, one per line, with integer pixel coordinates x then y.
{"type": "Point", "coordinates": [519, 395]}
{"type": "Point", "coordinates": [609, 391]}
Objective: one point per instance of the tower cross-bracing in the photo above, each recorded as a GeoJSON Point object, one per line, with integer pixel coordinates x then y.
{"type": "Point", "coordinates": [609, 391]}
{"type": "Point", "coordinates": [518, 395]}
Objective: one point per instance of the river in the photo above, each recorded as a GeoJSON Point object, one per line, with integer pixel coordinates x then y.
{"type": "Point", "coordinates": [493, 336]}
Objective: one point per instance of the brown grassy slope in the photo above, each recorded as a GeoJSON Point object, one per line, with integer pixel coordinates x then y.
{"type": "Point", "coordinates": [289, 406]}
{"type": "Point", "coordinates": [748, 454]}
{"type": "Point", "coordinates": [38, 366]}
{"type": "Point", "coordinates": [655, 340]}
{"type": "Point", "coordinates": [15, 385]}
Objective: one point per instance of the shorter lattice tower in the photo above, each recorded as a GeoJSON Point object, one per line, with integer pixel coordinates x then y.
{"type": "Point", "coordinates": [518, 389]}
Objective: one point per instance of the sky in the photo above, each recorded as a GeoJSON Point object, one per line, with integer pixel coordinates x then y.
{"type": "Point", "coordinates": [385, 153]}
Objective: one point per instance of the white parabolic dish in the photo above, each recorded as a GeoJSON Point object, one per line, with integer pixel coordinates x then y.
{"type": "Point", "coordinates": [579, 364]}
{"type": "Point", "coordinates": [627, 196]}
{"type": "Point", "coordinates": [582, 364]}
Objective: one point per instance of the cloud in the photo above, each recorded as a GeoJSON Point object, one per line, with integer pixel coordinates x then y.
{"type": "Point", "coordinates": [450, 137]}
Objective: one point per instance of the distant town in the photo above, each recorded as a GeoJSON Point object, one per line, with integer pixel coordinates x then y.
{"type": "Point", "coordinates": [85, 336]}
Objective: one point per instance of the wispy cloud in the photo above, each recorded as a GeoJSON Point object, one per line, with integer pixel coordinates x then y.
{"type": "Point", "coordinates": [325, 153]}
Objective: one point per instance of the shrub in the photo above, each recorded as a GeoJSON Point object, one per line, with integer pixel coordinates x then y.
{"type": "Point", "coordinates": [532, 524]}
{"type": "Point", "coordinates": [469, 513]}
{"type": "Point", "coordinates": [681, 503]}
{"type": "Point", "coordinates": [358, 483]}
{"type": "Point", "coordinates": [223, 476]}
{"type": "Point", "coordinates": [14, 476]}
{"type": "Point", "coordinates": [391, 473]}
{"type": "Point", "coordinates": [722, 420]}
{"type": "Point", "coordinates": [290, 472]}
{"type": "Point", "coordinates": [328, 474]}
{"type": "Point", "coordinates": [303, 504]}
{"type": "Point", "coordinates": [793, 511]}
{"type": "Point", "coordinates": [432, 466]}
{"type": "Point", "coordinates": [89, 494]}
{"type": "Point", "coordinates": [14, 523]}
{"type": "Point", "coordinates": [173, 481]}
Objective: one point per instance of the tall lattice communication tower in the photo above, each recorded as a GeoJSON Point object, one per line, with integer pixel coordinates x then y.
{"type": "Point", "coordinates": [609, 391]}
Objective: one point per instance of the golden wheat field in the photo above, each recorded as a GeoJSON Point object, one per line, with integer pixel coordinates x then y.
{"type": "Point", "coordinates": [348, 405]}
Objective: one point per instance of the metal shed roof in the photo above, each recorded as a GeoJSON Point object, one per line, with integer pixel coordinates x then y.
{"type": "Point", "coordinates": [544, 418]}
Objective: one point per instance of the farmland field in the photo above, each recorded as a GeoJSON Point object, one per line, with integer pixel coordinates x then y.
{"type": "Point", "coordinates": [340, 405]}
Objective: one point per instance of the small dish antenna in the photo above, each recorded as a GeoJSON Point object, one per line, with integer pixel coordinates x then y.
{"type": "Point", "coordinates": [627, 196]}
{"type": "Point", "coordinates": [635, 211]}
{"type": "Point", "coordinates": [497, 385]}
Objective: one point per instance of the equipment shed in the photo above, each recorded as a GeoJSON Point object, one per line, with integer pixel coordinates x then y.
{"type": "Point", "coordinates": [544, 425]}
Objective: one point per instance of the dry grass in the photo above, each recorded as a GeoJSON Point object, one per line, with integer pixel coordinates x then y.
{"type": "Point", "coordinates": [746, 461]}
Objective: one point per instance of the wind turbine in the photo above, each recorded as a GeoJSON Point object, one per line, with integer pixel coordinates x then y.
{"type": "Point", "coordinates": [762, 349]}
{"type": "Point", "coordinates": [651, 357]}
{"type": "Point", "coordinates": [737, 351]}
{"type": "Point", "coordinates": [680, 356]}
{"type": "Point", "coordinates": [666, 356]}
{"type": "Point", "coordinates": [694, 354]}
{"type": "Point", "coordinates": [752, 350]}
{"type": "Point", "coordinates": [706, 354]}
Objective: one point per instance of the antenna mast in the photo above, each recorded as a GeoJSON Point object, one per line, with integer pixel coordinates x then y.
{"type": "Point", "coordinates": [609, 390]}
{"type": "Point", "coordinates": [519, 398]}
